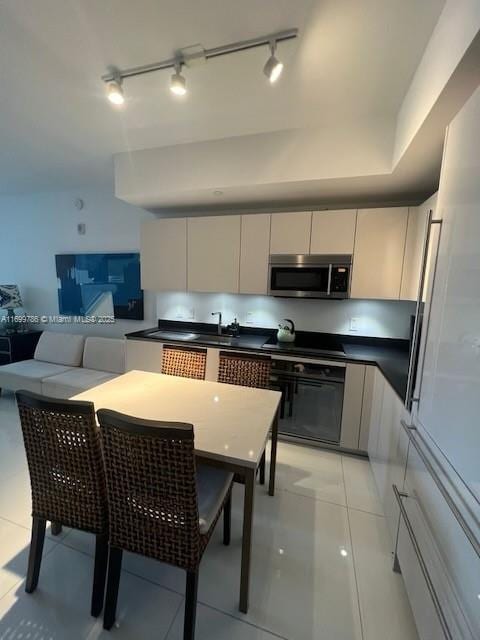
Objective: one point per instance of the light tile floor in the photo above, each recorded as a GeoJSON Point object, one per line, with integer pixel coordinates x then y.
{"type": "Point", "coordinates": [321, 564]}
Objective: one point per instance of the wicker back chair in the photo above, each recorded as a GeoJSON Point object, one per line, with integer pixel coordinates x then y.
{"type": "Point", "coordinates": [187, 363]}
{"type": "Point", "coordinates": [246, 370]}
{"type": "Point", "coordinates": [67, 477]}
{"type": "Point", "coordinates": [157, 500]}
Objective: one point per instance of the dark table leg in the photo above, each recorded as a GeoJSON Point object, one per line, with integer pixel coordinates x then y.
{"type": "Point", "coordinates": [247, 538]}
{"type": "Point", "coordinates": [273, 459]}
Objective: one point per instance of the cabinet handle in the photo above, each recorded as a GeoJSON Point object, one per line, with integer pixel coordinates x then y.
{"type": "Point", "coordinates": [433, 594]}
{"type": "Point", "coordinates": [467, 530]}
{"type": "Point", "coordinates": [415, 355]}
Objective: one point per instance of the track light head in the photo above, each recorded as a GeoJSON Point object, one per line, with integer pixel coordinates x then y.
{"type": "Point", "coordinates": [115, 92]}
{"type": "Point", "coordinates": [178, 84]}
{"type": "Point", "coordinates": [273, 67]}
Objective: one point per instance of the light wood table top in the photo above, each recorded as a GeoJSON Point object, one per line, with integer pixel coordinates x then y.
{"type": "Point", "coordinates": [231, 423]}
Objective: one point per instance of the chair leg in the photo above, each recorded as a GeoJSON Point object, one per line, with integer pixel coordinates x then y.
{"type": "Point", "coordinates": [55, 528]}
{"type": "Point", "coordinates": [99, 574]}
{"type": "Point", "coordinates": [190, 605]}
{"type": "Point", "coordinates": [227, 521]}
{"type": "Point", "coordinates": [35, 555]}
{"type": "Point", "coordinates": [113, 583]}
{"type": "Point", "coordinates": [262, 468]}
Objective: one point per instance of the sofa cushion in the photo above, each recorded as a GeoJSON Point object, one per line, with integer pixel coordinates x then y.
{"type": "Point", "coordinates": [105, 354]}
{"type": "Point", "coordinates": [28, 374]}
{"type": "Point", "coordinates": [60, 348]}
{"type": "Point", "coordinates": [74, 381]}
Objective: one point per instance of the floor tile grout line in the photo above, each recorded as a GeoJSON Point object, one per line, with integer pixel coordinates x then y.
{"type": "Point", "coordinates": [247, 622]}
{"type": "Point", "coordinates": [370, 513]}
{"type": "Point", "coordinates": [180, 593]}
{"type": "Point", "coordinates": [23, 577]}
{"type": "Point", "coordinates": [360, 613]}
{"type": "Point", "coordinates": [301, 495]}
{"type": "Point", "coordinates": [22, 526]}
{"type": "Point", "coordinates": [174, 618]}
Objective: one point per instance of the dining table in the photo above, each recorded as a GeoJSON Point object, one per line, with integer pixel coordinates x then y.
{"type": "Point", "coordinates": [232, 425]}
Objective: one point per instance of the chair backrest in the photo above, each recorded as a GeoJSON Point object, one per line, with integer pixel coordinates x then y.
{"type": "Point", "coordinates": [64, 456]}
{"type": "Point", "coordinates": [184, 362]}
{"type": "Point", "coordinates": [245, 370]}
{"type": "Point", "coordinates": [104, 354]}
{"type": "Point", "coordinates": [60, 348]}
{"type": "Point", "coordinates": [151, 487]}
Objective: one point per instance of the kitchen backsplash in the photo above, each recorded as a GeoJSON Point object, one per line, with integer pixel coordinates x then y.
{"type": "Point", "coordinates": [386, 319]}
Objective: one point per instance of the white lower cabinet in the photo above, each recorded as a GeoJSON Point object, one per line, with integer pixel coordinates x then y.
{"type": "Point", "coordinates": [439, 565]}
{"type": "Point", "coordinates": [352, 405]}
{"type": "Point", "coordinates": [144, 355]}
{"type": "Point", "coordinates": [426, 618]}
{"type": "Point", "coordinates": [387, 449]}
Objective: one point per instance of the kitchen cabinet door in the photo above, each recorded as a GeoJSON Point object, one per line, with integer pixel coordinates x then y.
{"type": "Point", "coordinates": [387, 448]}
{"type": "Point", "coordinates": [379, 250]}
{"type": "Point", "coordinates": [367, 407]}
{"type": "Point", "coordinates": [333, 231]}
{"type": "Point", "coordinates": [214, 254]}
{"type": "Point", "coordinates": [352, 405]}
{"type": "Point", "coordinates": [412, 263]}
{"type": "Point", "coordinates": [163, 254]}
{"type": "Point", "coordinates": [375, 417]}
{"type": "Point", "coordinates": [254, 253]}
{"type": "Point", "coordinates": [290, 232]}
{"type": "Point", "coordinates": [144, 355]}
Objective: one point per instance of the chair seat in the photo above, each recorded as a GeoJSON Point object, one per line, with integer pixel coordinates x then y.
{"type": "Point", "coordinates": [213, 486]}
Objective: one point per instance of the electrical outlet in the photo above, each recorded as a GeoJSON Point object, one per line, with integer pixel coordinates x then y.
{"type": "Point", "coordinates": [354, 324]}
{"type": "Point", "coordinates": [250, 317]}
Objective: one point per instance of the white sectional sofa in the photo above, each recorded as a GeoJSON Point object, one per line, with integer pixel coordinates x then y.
{"type": "Point", "coordinates": [66, 364]}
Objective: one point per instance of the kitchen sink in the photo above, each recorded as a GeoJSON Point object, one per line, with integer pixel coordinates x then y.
{"type": "Point", "coordinates": [215, 339]}
{"type": "Point", "coordinates": [210, 338]}
{"type": "Point", "coordinates": [174, 335]}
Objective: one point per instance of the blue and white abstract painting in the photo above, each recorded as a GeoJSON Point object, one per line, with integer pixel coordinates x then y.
{"type": "Point", "coordinates": [100, 284]}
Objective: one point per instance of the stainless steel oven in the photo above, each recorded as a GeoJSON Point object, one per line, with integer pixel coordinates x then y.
{"type": "Point", "coordinates": [312, 400]}
{"type": "Point", "coordinates": [310, 276]}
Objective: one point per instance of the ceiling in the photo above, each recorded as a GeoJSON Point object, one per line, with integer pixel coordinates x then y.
{"type": "Point", "coordinates": [353, 62]}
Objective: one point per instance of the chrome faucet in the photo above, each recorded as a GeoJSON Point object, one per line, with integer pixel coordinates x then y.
{"type": "Point", "coordinates": [219, 326]}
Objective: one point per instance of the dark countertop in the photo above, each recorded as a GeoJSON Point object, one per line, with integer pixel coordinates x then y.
{"type": "Point", "coordinates": [390, 355]}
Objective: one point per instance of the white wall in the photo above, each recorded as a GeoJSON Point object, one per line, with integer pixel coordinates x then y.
{"type": "Point", "coordinates": [376, 318]}
{"type": "Point", "coordinates": [35, 227]}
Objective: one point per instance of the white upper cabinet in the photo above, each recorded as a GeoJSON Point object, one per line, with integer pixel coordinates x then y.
{"type": "Point", "coordinates": [412, 263]}
{"type": "Point", "coordinates": [379, 250]}
{"type": "Point", "coordinates": [254, 253]}
{"type": "Point", "coordinates": [290, 232]}
{"type": "Point", "coordinates": [214, 254]}
{"type": "Point", "coordinates": [333, 231]}
{"type": "Point", "coordinates": [163, 250]}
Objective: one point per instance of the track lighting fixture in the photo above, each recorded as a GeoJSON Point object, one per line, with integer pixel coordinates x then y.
{"type": "Point", "coordinates": [273, 67]}
{"type": "Point", "coordinates": [115, 90]}
{"type": "Point", "coordinates": [178, 85]}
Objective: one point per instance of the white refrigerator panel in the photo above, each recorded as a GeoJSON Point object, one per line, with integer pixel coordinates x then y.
{"type": "Point", "coordinates": [449, 389]}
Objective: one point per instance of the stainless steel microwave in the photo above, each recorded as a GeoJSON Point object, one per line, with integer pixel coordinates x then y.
{"type": "Point", "coordinates": [310, 276]}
